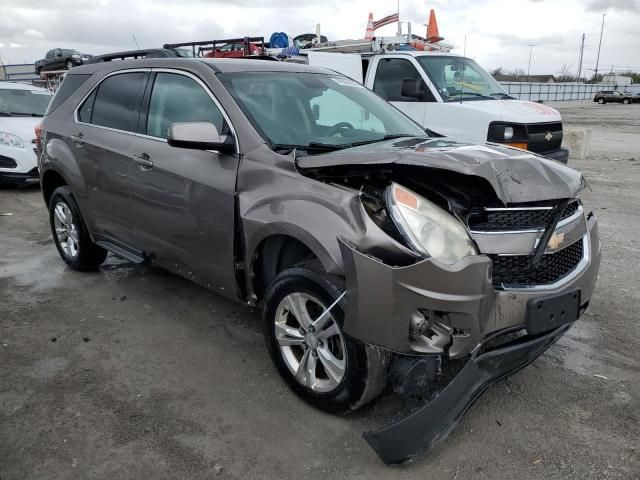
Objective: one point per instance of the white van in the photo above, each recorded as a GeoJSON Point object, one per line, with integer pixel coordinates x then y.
{"type": "Point", "coordinates": [453, 96]}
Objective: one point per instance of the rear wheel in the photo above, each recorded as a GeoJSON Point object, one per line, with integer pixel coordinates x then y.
{"type": "Point", "coordinates": [320, 363]}
{"type": "Point", "coordinates": [70, 233]}
{"type": "Point", "coordinates": [626, 101]}
{"type": "Point", "coordinates": [602, 101]}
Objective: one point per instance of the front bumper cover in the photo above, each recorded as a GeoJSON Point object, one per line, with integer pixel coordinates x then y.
{"type": "Point", "coordinates": [422, 430]}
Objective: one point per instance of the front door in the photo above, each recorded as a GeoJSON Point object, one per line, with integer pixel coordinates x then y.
{"type": "Point", "coordinates": [389, 77]}
{"type": "Point", "coordinates": [183, 200]}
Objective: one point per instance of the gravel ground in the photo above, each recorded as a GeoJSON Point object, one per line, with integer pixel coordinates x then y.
{"type": "Point", "coordinates": [134, 373]}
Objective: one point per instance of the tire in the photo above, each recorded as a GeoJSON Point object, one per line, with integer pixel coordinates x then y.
{"type": "Point", "coordinates": [626, 101]}
{"type": "Point", "coordinates": [69, 64]}
{"type": "Point", "coordinates": [70, 233]}
{"type": "Point", "coordinates": [364, 374]}
{"type": "Point", "coordinates": [602, 101]}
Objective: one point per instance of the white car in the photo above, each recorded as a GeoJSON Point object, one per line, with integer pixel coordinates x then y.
{"type": "Point", "coordinates": [21, 108]}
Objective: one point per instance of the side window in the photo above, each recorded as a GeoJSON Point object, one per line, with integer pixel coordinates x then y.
{"type": "Point", "coordinates": [390, 74]}
{"type": "Point", "coordinates": [116, 103]}
{"type": "Point", "coordinates": [176, 98]}
{"type": "Point", "coordinates": [49, 54]}
{"type": "Point", "coordinates": [85, 111]}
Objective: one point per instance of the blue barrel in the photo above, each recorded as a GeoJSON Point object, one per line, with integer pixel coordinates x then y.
{"type": "Point", "coordinates": [279, 40]}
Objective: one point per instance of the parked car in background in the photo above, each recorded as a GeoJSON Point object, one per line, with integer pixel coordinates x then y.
{"type": "Point", "coordinates": [234, 50]}
{"type": "Point", "coordinates": [60, 59]}
{"type": "Point", "coordinates": [616, 96]}
{"type": "Point", "coordinates": [635, 96]}
{"type": "Point", "coordinates": [21, 108]}
{"type": "Point", "coordinates": [378, 253]}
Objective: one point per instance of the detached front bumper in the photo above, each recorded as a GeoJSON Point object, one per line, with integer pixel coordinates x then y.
{"type": "Point", "coordinates": [383, 301]}
{"type": "Point", "coordinates": [423, 429]}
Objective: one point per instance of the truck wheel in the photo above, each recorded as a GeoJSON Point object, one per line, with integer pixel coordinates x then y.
{"type": "Point", "coordinates": [70, 233]}
{"type": "Point", "coordinates": [320, 363]}
{"type": "Point", "coordinates": [602, 101]}
{"type": "Point", "coordinates": [626, 101]}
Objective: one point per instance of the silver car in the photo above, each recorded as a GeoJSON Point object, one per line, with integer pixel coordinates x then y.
{"type": "Point", "coordinates": [379, 254]}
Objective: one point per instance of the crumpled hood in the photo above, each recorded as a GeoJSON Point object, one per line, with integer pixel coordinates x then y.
{"type": "Point", "coordinates": [516, 176]}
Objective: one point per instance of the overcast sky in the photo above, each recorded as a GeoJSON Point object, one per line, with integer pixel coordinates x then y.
{"type": "Point", "coordinates": [498, 32]}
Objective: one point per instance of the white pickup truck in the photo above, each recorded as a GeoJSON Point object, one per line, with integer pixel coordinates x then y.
{"type": "Point", "coordinates": [452, 96]}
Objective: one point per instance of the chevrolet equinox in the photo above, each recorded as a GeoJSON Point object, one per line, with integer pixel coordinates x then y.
{"type": "Point", "coordinates": [381, 256]}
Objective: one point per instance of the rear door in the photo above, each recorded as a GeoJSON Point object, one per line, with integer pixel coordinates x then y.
{"type": "Point", "coordinates": [105, 124]}
{"type": "Point", "coordinates": [389, 76]}
{"type": "Point", "coordinates": [183, 200]}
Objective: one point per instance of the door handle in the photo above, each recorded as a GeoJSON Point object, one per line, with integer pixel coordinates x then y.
{"type": "Point", "coordinates": [143, 161]}
{"type": "Point", "coordinates": [78, 139]}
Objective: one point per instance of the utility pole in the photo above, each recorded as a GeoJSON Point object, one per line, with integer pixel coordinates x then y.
{"type": "Point", "coordinates": [529, 67]}
{"type": "Point", "coordinates": [399, 23]}
{"type": "Point", "coordinates": [581, 54]}
{"type": "Point", "coordinates": [595, 75]}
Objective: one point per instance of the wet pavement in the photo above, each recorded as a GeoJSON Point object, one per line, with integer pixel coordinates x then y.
{"type": "Point", "coordinates": [132, 372]}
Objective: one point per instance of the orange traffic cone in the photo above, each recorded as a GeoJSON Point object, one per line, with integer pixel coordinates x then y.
{"type": "Point", "coordinates": [369, 33]}
{"type": "Point", "coordinates": [433, 36]}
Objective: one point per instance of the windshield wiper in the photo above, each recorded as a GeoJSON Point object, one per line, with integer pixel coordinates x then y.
{"type": "Point", "coordinates": [475, 94]}
{"type": "Point", "coordinates": [382, 139]}
{"type": "Point", "coordinates": [503, 96]}
{"type": "Point", "coordinates": [26, 114]}
{"type": "Point", "coordinates": [311, 147]}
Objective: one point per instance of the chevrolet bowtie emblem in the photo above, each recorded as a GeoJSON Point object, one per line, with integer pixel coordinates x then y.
{"type": "Point", "coordinates": [556, 240]}
{"type": "Point", "coordinates": [548, 136]}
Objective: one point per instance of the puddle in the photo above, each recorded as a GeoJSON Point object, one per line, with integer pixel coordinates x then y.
{"type": "Point", "coordinates": [573, 350]}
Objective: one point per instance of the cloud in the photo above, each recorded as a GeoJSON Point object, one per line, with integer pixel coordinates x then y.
{"type": "Point", "coordinates": [621, 5]}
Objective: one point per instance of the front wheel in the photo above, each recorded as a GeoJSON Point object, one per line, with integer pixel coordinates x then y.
{"type": "Point", "coordinates": [320, 363]}
{"type": "Point", "coordinates": [69, 64]}
{"type": "Point", "coordinates": [70, 233]}
{"type": "Point", "coordinates": [602, 101]}
{"type": "Point", "coordinates": [626, 101]}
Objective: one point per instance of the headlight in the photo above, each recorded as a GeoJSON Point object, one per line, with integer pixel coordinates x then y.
{"type": "Point", "coordinates": [10, 140]}
{"type": "Point", "coordinates": [506, 132]}
{"type": "Point", "coordinates": [429, 229]}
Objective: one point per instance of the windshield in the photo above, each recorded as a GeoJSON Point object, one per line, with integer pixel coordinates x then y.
{"type": "Point", "coordinates": [316, 110]}
{"type": "Point", "coordinates": [23, 103]}
{"type": "Point", "coordinates": [460, 78]}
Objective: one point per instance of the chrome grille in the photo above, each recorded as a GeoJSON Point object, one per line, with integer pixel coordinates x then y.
{"type": "Point", "coordinates": [517, 270]}
{"type": "Point", "coordinates": [517, 218]}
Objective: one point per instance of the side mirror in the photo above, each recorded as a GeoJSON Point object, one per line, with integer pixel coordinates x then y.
{"type": "Point", "coordinates": [413, 88]}
{"type": "Point", "coordinates": [199, 136]}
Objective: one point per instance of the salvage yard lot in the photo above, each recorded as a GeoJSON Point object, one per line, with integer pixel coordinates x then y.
{"type": "Point", "coordinates": [131, 372]}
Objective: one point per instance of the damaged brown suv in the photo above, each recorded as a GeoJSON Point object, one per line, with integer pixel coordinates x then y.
{"type": "Point", "coordinates": [381, 256]}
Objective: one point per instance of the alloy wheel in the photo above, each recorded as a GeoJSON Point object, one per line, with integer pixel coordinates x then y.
{"type": "Point", "coordinates": [311, 342]}
{"type": "Point", "coordinates": [66, 230]}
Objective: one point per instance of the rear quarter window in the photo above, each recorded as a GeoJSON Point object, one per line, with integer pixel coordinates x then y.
{"type": "Point", "coordinates": [69, 85]}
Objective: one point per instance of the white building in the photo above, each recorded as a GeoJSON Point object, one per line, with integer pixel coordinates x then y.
{"type": "Point", "coordinates": [618, 80]}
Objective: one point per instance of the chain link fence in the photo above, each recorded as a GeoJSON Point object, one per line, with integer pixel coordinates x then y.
{"type": "Point", "coordinates": [557, 92]}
